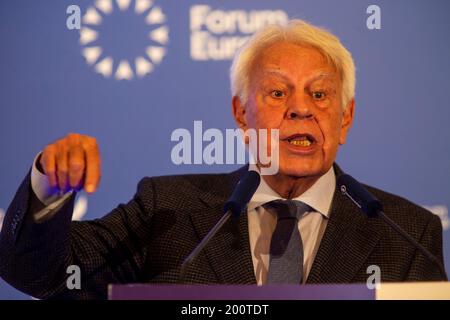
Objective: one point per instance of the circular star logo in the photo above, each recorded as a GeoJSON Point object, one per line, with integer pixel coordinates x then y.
{"type": "Point", "coordinates": [124, 39]}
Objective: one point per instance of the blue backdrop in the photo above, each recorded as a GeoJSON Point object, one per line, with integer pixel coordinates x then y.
{"type": "Point", "coordinates": [51, 85]}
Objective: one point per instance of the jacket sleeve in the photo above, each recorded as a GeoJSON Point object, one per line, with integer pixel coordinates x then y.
{"type": "Point", "coordinates": [421, 268]}
{"type": "Point", "coordinates": [34, 257]}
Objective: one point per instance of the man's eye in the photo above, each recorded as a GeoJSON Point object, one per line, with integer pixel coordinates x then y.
{"type": "Point", "coordinates": [277, 94]}
{"type": "Point", "coordinates": [318, 95]}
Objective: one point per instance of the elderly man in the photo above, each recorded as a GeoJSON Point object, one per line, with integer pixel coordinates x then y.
{"type": "Point", "coordinates": [296, 78]}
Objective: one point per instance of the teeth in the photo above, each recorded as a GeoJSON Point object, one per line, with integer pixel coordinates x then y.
{"type": "Point", "coordinates": [302, 143]}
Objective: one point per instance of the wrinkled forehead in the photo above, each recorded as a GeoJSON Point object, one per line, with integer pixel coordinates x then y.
{"type": "Point", "coordinates": [294, 62]}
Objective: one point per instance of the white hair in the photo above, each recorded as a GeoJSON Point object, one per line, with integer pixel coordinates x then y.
{"type": "Point", "coordinates": [298, 32]}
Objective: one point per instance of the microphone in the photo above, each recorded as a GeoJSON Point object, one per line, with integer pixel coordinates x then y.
{"type": "Point", "coordinates": [372, 207]}
{"type": "Point", "coordinates": [236, 204]}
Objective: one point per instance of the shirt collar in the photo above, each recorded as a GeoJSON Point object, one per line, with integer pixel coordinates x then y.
{"type": "Point", "coordinates": [318, 197]}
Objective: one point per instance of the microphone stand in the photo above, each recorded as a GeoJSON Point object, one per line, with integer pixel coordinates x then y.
{"type": "Point", "coordinates": [188, 261]}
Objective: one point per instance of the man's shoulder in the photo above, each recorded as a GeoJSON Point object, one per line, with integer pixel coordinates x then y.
{"type": "Point", "coordinates": [187, 188]}
{"type": "Point", "coordinates": [202, 181]}
{"type": "Point", "coordinates": [403, 211]}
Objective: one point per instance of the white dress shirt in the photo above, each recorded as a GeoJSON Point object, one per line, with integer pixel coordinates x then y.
{"type": "Point", "coordinates": [312, 224]}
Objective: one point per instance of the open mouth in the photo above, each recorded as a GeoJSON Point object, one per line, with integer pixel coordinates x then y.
{"type": "Point", "coordinates": [301, 140]}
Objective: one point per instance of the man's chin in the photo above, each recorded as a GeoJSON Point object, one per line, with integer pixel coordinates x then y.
{"type": "Point", "coordinates": [301, 171]}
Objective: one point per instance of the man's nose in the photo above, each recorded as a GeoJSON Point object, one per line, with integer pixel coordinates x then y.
{"type": "Point", "coordinates": [299, 107]}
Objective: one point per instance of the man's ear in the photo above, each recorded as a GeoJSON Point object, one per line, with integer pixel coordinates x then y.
{"type": "Point", "coordinates": [239, 113]}
{"type": "Point", "coordinates": [347, 121]}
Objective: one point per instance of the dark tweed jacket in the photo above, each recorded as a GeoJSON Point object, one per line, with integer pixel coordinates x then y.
{"type": "Point", "coordinates": [147, 239]}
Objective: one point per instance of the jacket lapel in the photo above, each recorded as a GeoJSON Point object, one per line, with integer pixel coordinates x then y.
{"type": "Point", "coordinates": [228, 252]}
{"type": "Point", "coordinates": [348, 240]}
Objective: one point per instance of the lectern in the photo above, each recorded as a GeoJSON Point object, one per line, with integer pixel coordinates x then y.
{"type": "Point", "coordinates": [416, 290]}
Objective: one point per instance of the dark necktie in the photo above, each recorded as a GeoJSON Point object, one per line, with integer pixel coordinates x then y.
{"type": "Point", "coordinates": [286, 247]}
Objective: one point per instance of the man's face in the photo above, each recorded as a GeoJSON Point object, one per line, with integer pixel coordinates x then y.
{"type": "Point", "coordinates": [294, 89]}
